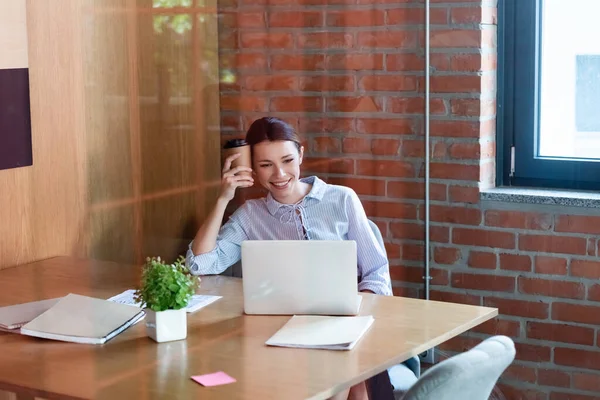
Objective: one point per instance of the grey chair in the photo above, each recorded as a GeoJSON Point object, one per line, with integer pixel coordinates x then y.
{"type": "Point", "coordinates": [471, 375]}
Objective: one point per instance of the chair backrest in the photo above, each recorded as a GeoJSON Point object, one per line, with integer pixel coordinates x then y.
{"type": "Point", "coordinates": [471, 375]}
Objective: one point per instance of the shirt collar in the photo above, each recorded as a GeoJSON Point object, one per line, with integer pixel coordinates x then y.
{"type": "Point", "coordinates": [316, 192]}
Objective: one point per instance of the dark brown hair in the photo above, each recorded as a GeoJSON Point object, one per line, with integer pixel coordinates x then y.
{"type": "Point", "coordinates": [271, 129]}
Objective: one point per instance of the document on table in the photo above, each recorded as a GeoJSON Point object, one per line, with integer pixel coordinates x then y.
{"type": "Point", "coordinates": [321, 332]}
{"type": "Point", "coordinates": [197, 302]}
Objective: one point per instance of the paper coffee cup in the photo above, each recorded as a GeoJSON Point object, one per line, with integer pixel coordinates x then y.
{"type": "Point", "coordinates": [240, 146]}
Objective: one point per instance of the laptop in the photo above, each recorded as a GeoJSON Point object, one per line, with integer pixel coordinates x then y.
{"type": "Point", "coordinates": [300, 277]}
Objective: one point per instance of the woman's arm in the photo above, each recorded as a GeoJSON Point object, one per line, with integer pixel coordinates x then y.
{"type": "Point", "coordinates": [372, 259]}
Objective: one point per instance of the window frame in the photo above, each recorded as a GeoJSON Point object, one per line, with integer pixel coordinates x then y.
{"type": "Point", "coordinates": [518, 111]}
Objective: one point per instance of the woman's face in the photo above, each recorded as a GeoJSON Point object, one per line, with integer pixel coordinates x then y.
{"type": "Point", "coordinates": [277, 167]}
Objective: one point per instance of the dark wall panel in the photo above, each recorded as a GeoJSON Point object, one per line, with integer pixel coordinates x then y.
{"type": "Point", "coordinates": [15, 119]}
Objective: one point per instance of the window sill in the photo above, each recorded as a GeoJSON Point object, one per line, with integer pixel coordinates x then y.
{"type": "Point", "coordinates": [542, 196]}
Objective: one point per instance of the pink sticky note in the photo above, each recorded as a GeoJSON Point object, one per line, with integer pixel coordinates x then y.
{"type": "Point", "coordinates": [215, 379]}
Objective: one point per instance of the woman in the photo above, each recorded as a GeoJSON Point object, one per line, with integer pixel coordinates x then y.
{"type": "Point", "coordinates": [294, 209]}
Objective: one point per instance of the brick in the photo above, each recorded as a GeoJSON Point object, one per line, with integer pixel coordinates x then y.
{"type": "Point", "coordinates": [295, 19]}
{"type": "Point", "coordinates": [551, 377]}
{"type": "Point", "coordinates": [465, 151]}
{"type": "Point", "coordinates": [518, 220]}
{"type": "Point", "coordinates": [552, 288]}
{"type": "Point", "coordinates": [498, 326]}
{"type": "Point", "coordinates": [585, 269]}
{"type": "Point", "coordinates": [416, 190]}
{"type": "Point", "coordinates": [387, 39]}
{"type": "Point", "coordinates": [242, 19]}
{"type": "Point", "coordinates": [405, 292]}
{"type": "Point", "coordinates": [577, 358]}
{"type": "Point", "coordinates": [473, 62]}
{"type": "Point", "coordinates": [576, 313]}
{"type": "Point", "coordinates": [329, 165]}
{"type": "Point", "coordinates": [404, 273]}
{"type": "Point", "coordinates": [269, 82]}
{"type": "Point", "coordinates": [272, 40]}
{"type": "Point", "coordinates": [455, 38]}
{"type": "Point", "coordinates": [454, 215]}
{"type": "Point", "coordinates": [385, 147]}
{"type": "Point", "coordinates": [483, 238]}
{"type": "Point", "coordinates": [415, 231]}
{"type": "Point", "coordinates": [388, 168]}
{"type": "Point", "coordinates": [354, 62]}
{"type": "Point", "coordinates": [383, 209]}
{"type": "Point", "coordinates": [413, 148]}
{"type": "Point", "coordinates": [326, 125]}
{"type": "Point", "coordinates": [594, 293]}
{"type": "Point", "coordinates": [560, 333]}
{"type": "Point", "coordinates": [515, 262]}
{"type": "Point", "coordinates": [325, 40]}
{"type": "Point", "coordinates": [291, 62]}
{"type": "Point", "coordinates": [454, 171]}
{"type": "Point", "coordinates": [459, 344]}
{"type": "Point", "coordinates": [531, 352]}
{"type": "Point", "coordinates": [520, 373]}
{"type": "Point", "coordinates": [516, 393]}
{"type": "Point", "coordinates": [578, 224]}
{"type": "Point", "coordinates": [455, 84]}
{"type": "Point", "coordinates": [243, 103]}
{"type": "Point", "coordinates": [440, 150]}
{"type": "Point", "coordinates": [473, 15]}
{"type": "Point", "coordinates": [326, 83]}
{"type": "Point", "coordinates": [396, 126]}
{"type": "Point", "coordinates": [553, 244]}
{"type": "Point", "coordinates": [591, 248]}
{"type": "Point", "coordinates": [519, 308]}
{"type": "Point", "coordinates": [244, 61]}
{"type": "Point", "coordinates": [233, 123]}
{"type": "Point", "coordinates": [296, 104]}
{"type": "Point", "coordinates": [356, 145]}
{"type": "Point", "coordinates": [571, 396]}
{"type": "Point", "coordinates": [412, 16]}
{"type": "Point", "coordinates": [550, 265]}
{"type": "Point", "coordinates": [492, 283]}
{"type": "Point", "coordinates": [464, 194]}
{"type": "Point", "coordinates": [390, 83]}
{"type": "Point", "coordinates": [415, 252]}
{"type": "Point", "coordinates": [586, 381]}
{"type": "Point", "coordinates": [473, 107]}
{"type": "Point", "coordinates": [405, 62]}
{"type": "Point", "coordinates": [371, 187]}
{"type": "Point", "coordinates": [446, 255]}
{"type": "Point", "coordinates": [480, 259]}
{"type": "Point", "coordinates": [393, 250]}
{"type": "Point", "coordinates": [327, 145]}
{"type": "Point", "coordinates": [414, 105]}
{"type": "Point", "coordinates": [366, 104]}
{"type": "Point", "coordinates": [351, 18]}
{"type": "Point", "coordinates": [452, 297]}
{"type": "Point", "coordinates": [455, 129]}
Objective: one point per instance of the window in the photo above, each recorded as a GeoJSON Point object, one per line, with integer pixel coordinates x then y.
{"type": "Point", "coordinates": [549, 94]}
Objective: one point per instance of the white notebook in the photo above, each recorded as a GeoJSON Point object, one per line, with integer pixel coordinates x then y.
{"type": "Point", "coordinates": [15, 316]}
{"type": "Point", "coordinates": [82, 319]}
{"type": "Point", "coordinates": [197, 302]}
{"type": "Point", "coordinates": [321, 332]}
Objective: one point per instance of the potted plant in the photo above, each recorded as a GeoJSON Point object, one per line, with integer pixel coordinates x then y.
{"type": "Point", "coordinates": [165, 291]}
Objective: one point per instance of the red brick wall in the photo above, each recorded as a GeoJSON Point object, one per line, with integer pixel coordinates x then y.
{"type": "Point", "coordinates": [349, 75]}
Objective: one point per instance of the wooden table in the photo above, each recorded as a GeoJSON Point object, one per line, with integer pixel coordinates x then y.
{"type": "Point", "coordinates": [220, 338]}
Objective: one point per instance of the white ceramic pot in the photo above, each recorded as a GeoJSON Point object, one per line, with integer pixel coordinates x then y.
{"type": "Point", "coordinates": [166, 326]}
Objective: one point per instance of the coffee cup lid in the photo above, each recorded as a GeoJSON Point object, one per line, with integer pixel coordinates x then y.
{"type": "Point", "coordinates": [230, 144]}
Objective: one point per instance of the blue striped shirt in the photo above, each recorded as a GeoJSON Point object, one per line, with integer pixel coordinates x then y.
{"type": "Point", "coordinates": [327, 212]}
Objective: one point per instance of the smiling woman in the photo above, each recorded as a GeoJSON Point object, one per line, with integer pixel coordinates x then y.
{"type": "Point", "coordinates": [294, 209]}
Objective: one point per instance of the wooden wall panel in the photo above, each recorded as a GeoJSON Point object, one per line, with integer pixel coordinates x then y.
{"type": "Point", "coordinates": [126, 154]}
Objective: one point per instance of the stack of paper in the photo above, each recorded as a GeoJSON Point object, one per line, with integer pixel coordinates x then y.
{"type": "Point", "coordinates": [14, 317]}
{"type": "Point", "coordinates": [82, 319]}
{"type": "Point", "coordinates": [321, 332]}
{"type": "Point", "coordinates": [197, 302]}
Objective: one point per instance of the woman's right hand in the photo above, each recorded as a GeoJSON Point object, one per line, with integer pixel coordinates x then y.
{"type": "Point", "coordinates": [232, 180]}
